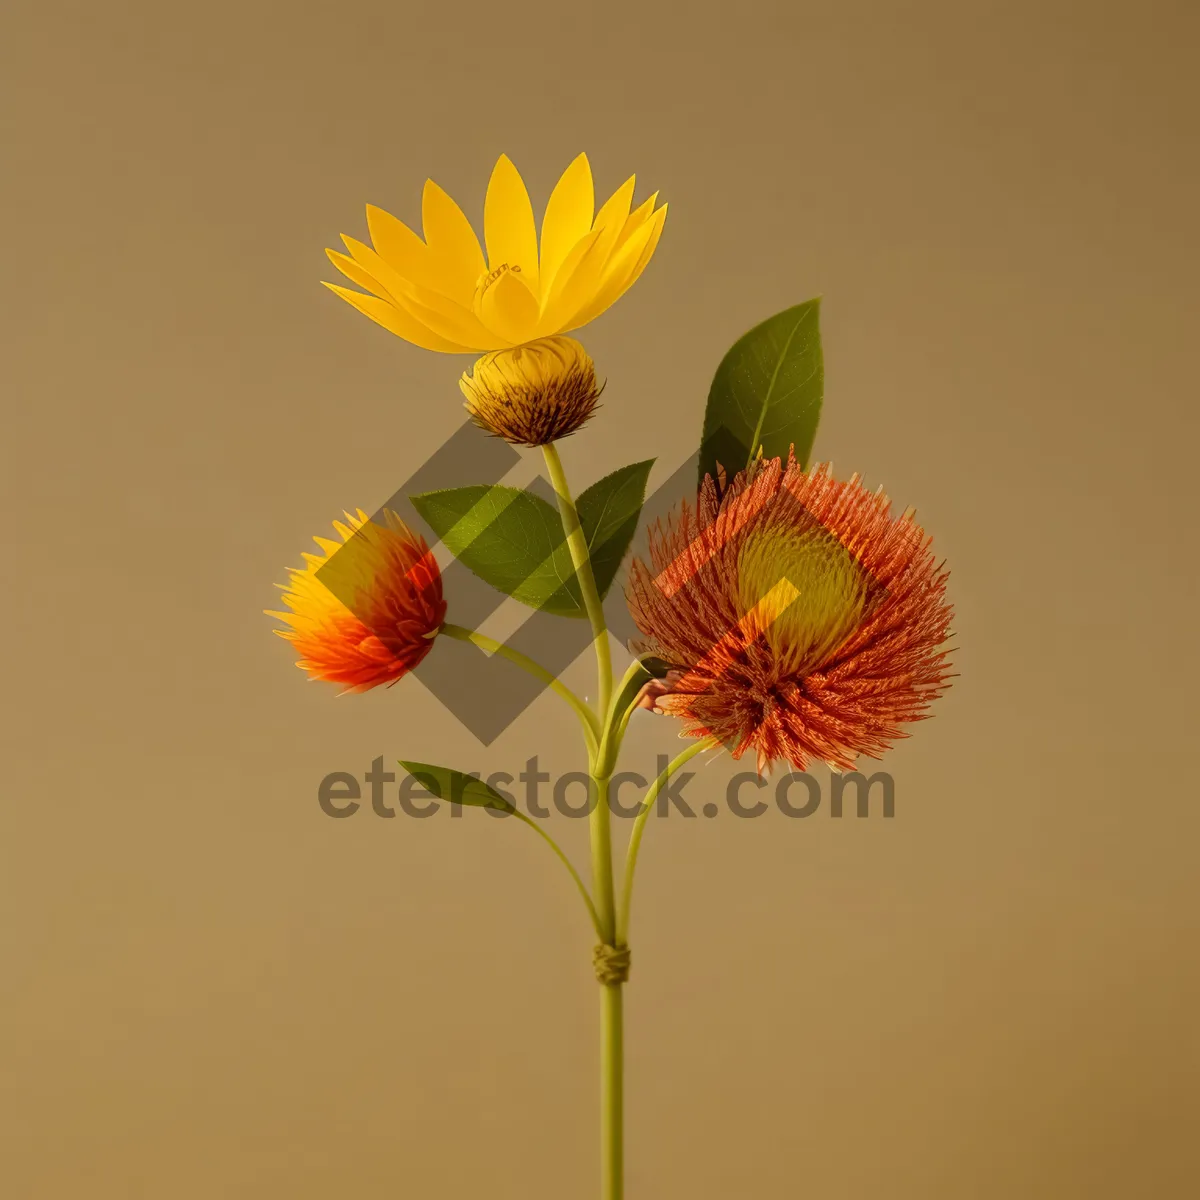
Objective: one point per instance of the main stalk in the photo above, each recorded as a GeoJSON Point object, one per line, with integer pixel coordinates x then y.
{"type": "Point", "coordinates": [612, 1153]}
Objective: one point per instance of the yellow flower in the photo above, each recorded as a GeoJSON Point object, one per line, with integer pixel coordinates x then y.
{"type": "Point", "coordinates": [441, 294]}
{"type": "Point", "coordinates": [534, 394]}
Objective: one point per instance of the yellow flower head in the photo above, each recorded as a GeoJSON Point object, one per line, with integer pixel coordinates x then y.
{"type": "Point", "coordinates": [802, 589]}
{"type": "Point", "coordinates": [534, 394]}
{"type": "Point", "coordinates": [440, 293]}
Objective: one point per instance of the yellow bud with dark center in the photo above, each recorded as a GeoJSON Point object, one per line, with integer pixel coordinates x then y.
{"type": "Point", "coordinates": [533, 394]}
{"type": "Point", "coordinates": [803, 590]}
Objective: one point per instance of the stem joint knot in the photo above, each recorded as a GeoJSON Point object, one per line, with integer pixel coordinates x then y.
{"type": "Point", "coordinates": [611, 964]}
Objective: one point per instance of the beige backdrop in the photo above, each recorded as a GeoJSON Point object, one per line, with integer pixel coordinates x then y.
{"type": "Point", "coordinates": [213, 990]}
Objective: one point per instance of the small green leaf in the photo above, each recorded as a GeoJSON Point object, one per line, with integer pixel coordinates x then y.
{"type": "Point", "coordinates": [456, 787]}
{"type": "Point", "coordinates": [656, 668]}
{"type": "Point", "coordinates": [648, 668]}
{"type": "Point", "coordinates": [609, 512]}
{"type": "Point", "coordinates": [511, 539]}
{"type": "Point", "coordinates": [766, 393]}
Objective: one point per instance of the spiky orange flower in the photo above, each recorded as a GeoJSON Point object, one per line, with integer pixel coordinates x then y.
{"type": "Point", "coordinates": [366, 610]}
{"type": "Point", "coordinates": [803, 620]}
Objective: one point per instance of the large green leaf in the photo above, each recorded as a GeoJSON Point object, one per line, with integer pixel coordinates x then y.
{"type": "Point", "coordinates": [511, 539]}
{"type": "Point", "coordinates": [447, 784]}
{"type": "Point", "coordinates": [608, 512]}
{"type": "Point", "coordinates": [766, 393]}
{"type": "Point", "coordinates": [514, 540]}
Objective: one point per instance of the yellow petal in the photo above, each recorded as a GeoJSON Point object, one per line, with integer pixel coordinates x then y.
{"type": "Point", "coordinates": [376, 266]}
{"type": "Point", "coordinates": [456, 257]}
{"type": "Point", "coordinates": [637, 219]}
{"type": "Point", "coordinates": [571, 285]}
{"type": "Point", "coordinates": [509, 308]}
{"type": "Point", "coordinates": [398, 321]}
{"type": "Point", "coordinates": [612, 216]}
{"type": "Point", "coordinates": [448, 319]}
{"type": "Point", "coordinates": [444, 316]}
{"type": "Point", "coordinates": [568, 217]}
{"type": "Point", "coordinates": [580, 278]}
{"type": "Point", "coordinates": [508, 227]}
{"type": "Point", "coordinates": [657, 223]}
{"type": "Point", "coordinates": [399, 247]}
{"type": "Point", "coordinates": [620, 269]}
{"type": "Point", "coordinates": [630, 244]}
{"type": "Point", "coordinates": [627, 264]}
{"type": "Point", "coordinates": [356, 273]}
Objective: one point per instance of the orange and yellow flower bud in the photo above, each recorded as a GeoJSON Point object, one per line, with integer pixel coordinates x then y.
{"type": "Point", "coordinates": [366, 610]}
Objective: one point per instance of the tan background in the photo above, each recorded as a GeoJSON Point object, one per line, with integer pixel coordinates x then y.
{"type": "Point", "coordinates": [212, 990]}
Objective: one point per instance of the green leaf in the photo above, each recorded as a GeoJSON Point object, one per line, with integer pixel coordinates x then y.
{"type": "Point", "coordinates": [609, 512]}
{"type": "Point", "coordinates": [648, 668]}
{"type": "Point", "coordinates": [766, 392]}
{"type": "Point", "coordinates": [456, 787]}
{"type": "Point", "coordinates": [511, 539]}
{"type": "Point", "coordinates": [514, 540]}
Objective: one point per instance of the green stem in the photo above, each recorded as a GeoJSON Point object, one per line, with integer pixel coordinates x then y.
{"type": "Point", "coordinates": [612, 1066]}
{"type": "Point", "coordinates": [600, 829]}
{"type": "Point", "coordinates": [615, 723]}
{"type": "Point", "coordinates": [612, 1092]}
{"type": "Point", "coordinates": [581, 560]}
{"type": "Point", "coordinates": [639, 825]}
{"type": "Point", "coordinates": [591, 725]}
{"type": "Point", "coordinates": [611, 1030]}
{"type": "Point", "coordinates": [566, 862]}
